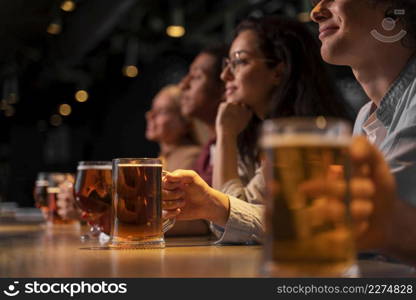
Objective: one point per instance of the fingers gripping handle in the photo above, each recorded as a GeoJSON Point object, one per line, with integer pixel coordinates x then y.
{"type": "Point", "coordinates": [168, 223]}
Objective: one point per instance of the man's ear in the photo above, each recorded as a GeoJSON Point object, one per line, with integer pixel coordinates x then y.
{"type": "Point", "coordinates": [278, 72]}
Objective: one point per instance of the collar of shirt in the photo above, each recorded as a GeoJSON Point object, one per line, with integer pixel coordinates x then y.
{"type": "Point", "coordinates": [389, 102]}
{"type": "Point", "coordinates": [374, 129]}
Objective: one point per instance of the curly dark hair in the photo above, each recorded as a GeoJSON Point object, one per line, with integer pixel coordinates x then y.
{"type": "Point", "coordinates": [218, 52]}
{"type": "Point", "coordinates": [305, 89]}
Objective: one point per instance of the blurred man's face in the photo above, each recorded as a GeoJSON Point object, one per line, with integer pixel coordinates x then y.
{"type": "Point", "coordinates": [345, 28]}
{"type": "Point", "coordinates": [202, 92]}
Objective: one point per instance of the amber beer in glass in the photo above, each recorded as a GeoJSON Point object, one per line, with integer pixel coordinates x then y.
{"type": "Point", "coordinates": [60, 185]}
{"type": "Point", "coordinates": [306, 234]}
{"type": "Point", "coordinates": [40, 193]}
{"type": "Point", "coordinates": [93, 193]}
{"type": "Point", "coordinates": [137, 206]}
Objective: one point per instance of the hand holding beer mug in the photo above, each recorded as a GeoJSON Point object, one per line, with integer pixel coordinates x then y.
{"type": "Point", "coordinates": [137, 204]}
{"type": "Point", "coordinates": [307, 234]}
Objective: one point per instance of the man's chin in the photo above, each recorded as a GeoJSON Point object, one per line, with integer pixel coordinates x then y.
{"type": "Point", "coordinates": [329, 55]}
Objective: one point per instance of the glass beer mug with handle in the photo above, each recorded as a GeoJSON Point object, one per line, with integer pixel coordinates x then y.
{"type": "Point", "coordinates": [93, 195]}
{"type": "Point", "coordinates": [40, 193]}
{"type": "Point", "coordinates": [307, 234]}
{"type": "Point", "coordinates": [137, 204]}
{"type": "Point", "coordinates": [61, 204]}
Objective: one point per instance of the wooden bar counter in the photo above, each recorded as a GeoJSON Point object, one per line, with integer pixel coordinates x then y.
{"type": "Point", "coordinates": [32, 250]}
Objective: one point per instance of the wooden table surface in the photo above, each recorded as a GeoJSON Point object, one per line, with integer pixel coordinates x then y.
{"type": "Point", "coordinates": [31, 250]}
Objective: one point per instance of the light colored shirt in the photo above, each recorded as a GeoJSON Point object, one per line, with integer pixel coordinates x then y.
{"type": "Point", "coordinates": [245, 223]}
{"type": "Point", "coordinates": [392, 128]}
{"type": "Point", "coordinates": [249, 186]}
{"type": "Point", "coordinates": [374, 129]}
{"type": "Point", "coordinates": [246, 194]}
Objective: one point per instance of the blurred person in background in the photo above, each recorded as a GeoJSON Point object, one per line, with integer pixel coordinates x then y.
{"type": "Point", "coordinates": [203, 91]}
{"type": "Point", "coordinates": [173, 132]}
{"type": "Point", "coordinates": [179, 147]}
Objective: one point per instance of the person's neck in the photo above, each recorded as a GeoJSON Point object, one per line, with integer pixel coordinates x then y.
{"type": "Point", "coordinates": [209, 121]}
{"type": "Point", "coordinates": [377, 73]}
{"type": "Point", "coordinates": [211, 131]}
{"type": "Point", "coordinates": [167, 147]}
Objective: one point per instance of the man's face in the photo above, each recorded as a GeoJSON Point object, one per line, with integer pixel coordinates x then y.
{"type": "Point", "coordinates": [345, 29]}
{"type": "Point", "coordinates": [202, 92]}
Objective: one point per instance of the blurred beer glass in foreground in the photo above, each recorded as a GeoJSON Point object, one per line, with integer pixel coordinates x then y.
{"type": "Point", "coordinates": [93, 195]}
{"type": "Point", "coordinates": [137, 204]}
{"type": "Point", "coordinates": [307, 234]}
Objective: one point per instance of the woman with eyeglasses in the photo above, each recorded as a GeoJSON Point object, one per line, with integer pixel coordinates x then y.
{"type": "Point", "coordinates": [274, 69]}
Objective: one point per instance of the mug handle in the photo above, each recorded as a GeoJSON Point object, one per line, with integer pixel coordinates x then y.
{"type": "Point", "coordinates": [168, 223]}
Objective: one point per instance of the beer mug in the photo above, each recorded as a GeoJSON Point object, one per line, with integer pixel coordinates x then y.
{"type": "Point", "coordinates": [93, 195]}
{"type": "Point", "coordinates": [137, 204]}
{"type": "Point", "coordinates": [40, 193]}
{"type": "Point", "coordinates": [61, 204]}
{"type": "Point", "coordinates": [306, 235]}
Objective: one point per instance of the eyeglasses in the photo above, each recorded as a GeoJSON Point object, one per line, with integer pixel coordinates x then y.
{"type": "Point", "coordinates": [235, 63]}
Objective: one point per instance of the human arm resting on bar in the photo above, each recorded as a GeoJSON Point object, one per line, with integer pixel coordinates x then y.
{"type": "Point", "coordinates": [232, 175]}
{"type": "Point", "coordinates": [252, 192]}
{"type": "Point", "coordinates": [231, 120]}
{"type": "Point", "coordinates": [188, 197]}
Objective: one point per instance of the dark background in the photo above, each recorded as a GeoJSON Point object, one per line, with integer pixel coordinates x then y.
{"type": "Point", "coordinates": [41, 69]}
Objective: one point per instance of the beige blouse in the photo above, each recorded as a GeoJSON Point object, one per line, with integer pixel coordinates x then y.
{"type": "Point", "coordinates": [246, 194]}
{"type": "Point", "coordinates": [181, 157]}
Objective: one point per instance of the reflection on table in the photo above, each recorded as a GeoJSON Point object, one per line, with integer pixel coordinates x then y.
{"type": "Point", "coordinates": [33, 250]}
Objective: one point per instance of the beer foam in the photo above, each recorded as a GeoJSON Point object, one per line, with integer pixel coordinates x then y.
{"type": "Point", "coordinates": [291, 140]}
{"type": "Point", "coordinates": [53, 190]}
{"type": "Point", "coordinates": [140, 165]}
{"type": "Point", "coordinates": [95, 167]}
